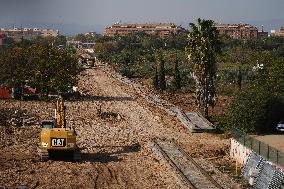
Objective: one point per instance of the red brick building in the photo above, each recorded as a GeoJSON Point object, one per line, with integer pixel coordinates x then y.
{"type": "Point", "coordinates": [160, 29]}
{"type": "Point", "coordinates": [238, 31]}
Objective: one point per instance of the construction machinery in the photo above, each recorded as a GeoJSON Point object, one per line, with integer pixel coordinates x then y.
{"type": "Point", "coordinates": [56, 137]}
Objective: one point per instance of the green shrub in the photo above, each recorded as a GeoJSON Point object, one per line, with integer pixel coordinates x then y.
{"type": "Point", "coordinates": [220, 122]}
{"type": "Point", "coordinates": [126, 71]}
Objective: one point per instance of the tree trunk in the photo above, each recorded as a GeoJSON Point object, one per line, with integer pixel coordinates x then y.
{"type": "Point", "coordinates": [205, 113]}
{"type": "Point", "coordinates": [240, 78]}
{"type": "Point", "coordinates": [206, 98]}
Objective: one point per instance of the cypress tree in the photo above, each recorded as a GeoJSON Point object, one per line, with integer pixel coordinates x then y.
{"type": "Point", "coordinates": [177, 79]}
{"type": "Point", "coordinates": [156, 80]}
{"type": "Point", "coordinates": [162, 75]}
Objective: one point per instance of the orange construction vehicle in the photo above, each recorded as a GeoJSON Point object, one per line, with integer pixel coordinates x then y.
{"type": "Point", "coordinates": [55, 136]}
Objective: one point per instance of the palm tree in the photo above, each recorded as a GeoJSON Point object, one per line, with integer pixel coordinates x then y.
{"type": "Point", "coordinates": [203, 45]}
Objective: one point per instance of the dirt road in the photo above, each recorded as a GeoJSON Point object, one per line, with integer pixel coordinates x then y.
{"type": "Point", "coordinates": [115, 145]}
{"type": "Point", "coordinates": [275, 141]}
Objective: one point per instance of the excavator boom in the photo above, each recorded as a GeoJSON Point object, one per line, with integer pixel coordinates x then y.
{"type": "Point", "coordinates": [60, 121]}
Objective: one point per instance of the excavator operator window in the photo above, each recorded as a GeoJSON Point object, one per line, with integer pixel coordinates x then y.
{"type": "Point", "coordinates": [47, 124]}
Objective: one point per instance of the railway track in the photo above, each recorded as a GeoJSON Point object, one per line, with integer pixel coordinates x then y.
{"type": "Point", "coordinates": [190, 171]}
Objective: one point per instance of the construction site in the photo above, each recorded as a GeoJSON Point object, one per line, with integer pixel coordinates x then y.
{"type": "Point", "coordinates": [128, 137]}
{"type": "Point", "coordinates": [141, 94]}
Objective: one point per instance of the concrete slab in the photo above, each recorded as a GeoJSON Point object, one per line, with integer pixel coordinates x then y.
{"type": "Point", "coordinates": [199, 122]}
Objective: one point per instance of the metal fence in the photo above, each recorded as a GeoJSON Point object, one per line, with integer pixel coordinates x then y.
{"type": "Point", "coordinates": [269, 153]}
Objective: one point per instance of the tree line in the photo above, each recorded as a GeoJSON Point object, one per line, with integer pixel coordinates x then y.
{"type": "Point", "coordinates": [248, 71]}
{"type": "Point", "coordinates": [146, 56]}
{"type": "Point", "coordinates": [211, 65]}
{"type": "Point", "coordinates": [44, 67]}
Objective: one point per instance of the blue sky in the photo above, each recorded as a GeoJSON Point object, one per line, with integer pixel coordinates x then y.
{"type": "Point", "coordinates": [105, 12]}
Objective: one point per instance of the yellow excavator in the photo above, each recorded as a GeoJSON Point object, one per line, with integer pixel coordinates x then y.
{"type": "Point", "coordinates": [56, 137]}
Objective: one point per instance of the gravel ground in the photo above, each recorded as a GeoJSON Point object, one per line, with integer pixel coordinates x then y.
{"type": "Point", "coordinates": [114, 124]}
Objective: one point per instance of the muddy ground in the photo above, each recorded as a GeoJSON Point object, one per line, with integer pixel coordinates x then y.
{"type": "Point", "coordinates": [115, 126]}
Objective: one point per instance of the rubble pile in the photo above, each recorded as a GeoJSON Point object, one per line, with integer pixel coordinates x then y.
{"type": "Point", "coordinates": [16, 117]}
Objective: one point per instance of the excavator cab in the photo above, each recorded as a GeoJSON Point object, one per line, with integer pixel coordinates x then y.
{"type": "Point", "coordinates": [47, 124]}
{"type": "Point", "coordinates": [56, 137]}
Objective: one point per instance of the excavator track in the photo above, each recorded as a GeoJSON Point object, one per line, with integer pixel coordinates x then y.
{"type": "Point", "coordinates": [77, 155]}
{"type": "Point", "coordinates": [44, 155]}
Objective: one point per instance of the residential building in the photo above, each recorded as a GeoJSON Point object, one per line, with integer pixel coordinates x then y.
{"type": "Point", "coordinates": [80, 44]}
{"type": "Point", "coordinates": [49, 33]}
{"type": "Point", "coordinates": [28, 33]}
{"type": "Point", "coordinates": [279, 33]}
{"type": "Point", "coordinates": [160, 29]}
{"type": "Point", "coordinates": [238, 31]}
{"type": "Point", "coordinates": [93, 34]}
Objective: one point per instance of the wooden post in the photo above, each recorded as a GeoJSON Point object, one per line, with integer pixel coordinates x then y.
{"type": "Point", "coordinates": [268, 151]}
{"type": "Point", "coordinates": [259, 147]}
{"type": "Point", "coordinates": [237, 166]}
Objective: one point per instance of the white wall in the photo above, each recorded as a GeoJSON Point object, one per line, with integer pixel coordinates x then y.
{"type": "Point", "coordinates": [239, 152]}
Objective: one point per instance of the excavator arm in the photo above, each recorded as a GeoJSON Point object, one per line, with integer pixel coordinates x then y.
{"type": "Point", "coordinates": [60, 121]}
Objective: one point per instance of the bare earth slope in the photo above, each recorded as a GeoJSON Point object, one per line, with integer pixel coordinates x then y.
{"type": "Point", "coordinates": [115, 145]}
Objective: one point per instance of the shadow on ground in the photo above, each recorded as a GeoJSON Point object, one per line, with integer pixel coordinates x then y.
{"type": "Point", "coordinates": [102, 156]}
{"type": "Point", "coordinates": [105, 98]}
{"type": "Point", "coordinates": [112, 156]}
